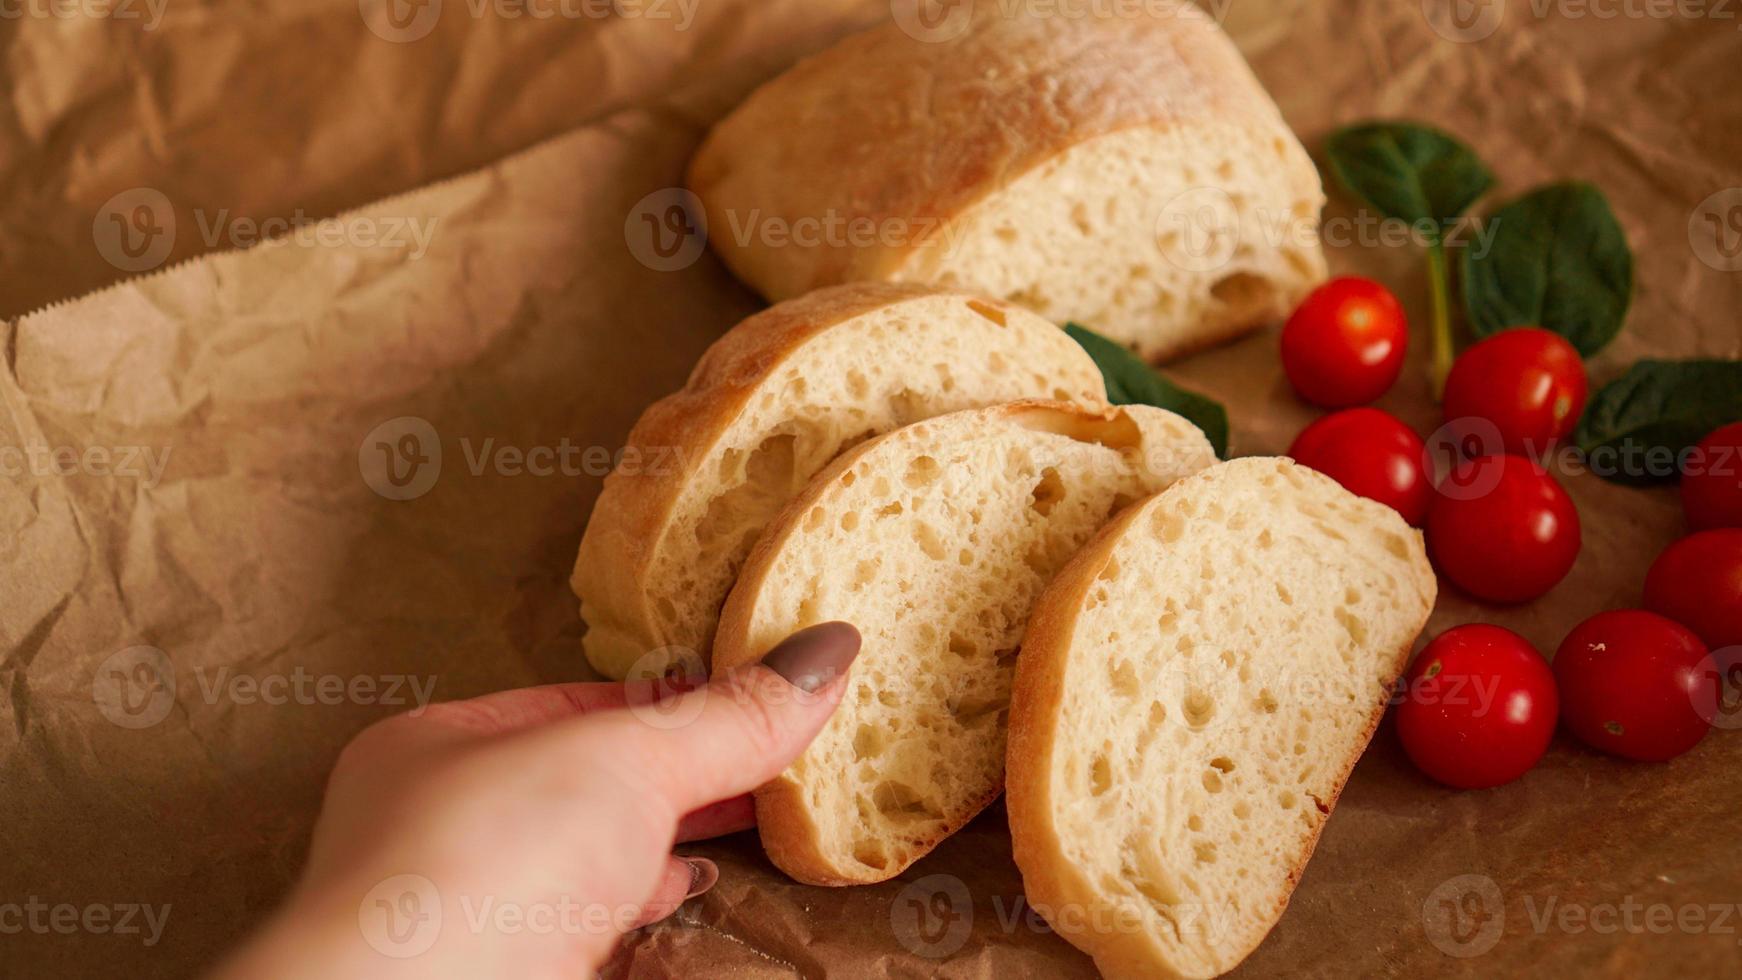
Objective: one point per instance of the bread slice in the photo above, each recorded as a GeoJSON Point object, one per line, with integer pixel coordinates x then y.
{"type": "Point", "coordinates": [1196, 686]}
{"type": "Point", "coordinates": [934, 541]}
{"type": "Point", "coordinates": [772, 401]}
{"type": "Point", "coordinates": [1121, 168]}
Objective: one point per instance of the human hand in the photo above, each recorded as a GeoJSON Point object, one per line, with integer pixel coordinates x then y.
{"type": "Point", "coordinates": [522, 833]}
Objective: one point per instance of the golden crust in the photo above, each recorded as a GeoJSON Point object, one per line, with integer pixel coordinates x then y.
{"type": "Point", "coordinates": [885, 127]}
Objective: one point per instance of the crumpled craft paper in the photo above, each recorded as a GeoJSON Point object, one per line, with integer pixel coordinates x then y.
{"type": "Point", "coordinates": [261, 474]}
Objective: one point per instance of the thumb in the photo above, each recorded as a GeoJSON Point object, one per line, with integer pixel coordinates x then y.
{"type": "Point", "coordinates": [738, 732]}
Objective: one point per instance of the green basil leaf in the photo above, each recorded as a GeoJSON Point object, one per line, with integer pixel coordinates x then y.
{"type": "Point", "coordinates": [1132, 382]}
{"type": "Point", "coordinates": [1414, 173]}
{"type": "Point", "coordinates": [1556, 259]}
{"type": "Point", "coordinates": [1657, 406]}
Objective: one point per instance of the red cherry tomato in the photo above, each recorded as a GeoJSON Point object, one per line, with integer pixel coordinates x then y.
{"type": "Point", "coordinates": [1479, 707]}
{"type": "Point", "coordinates": [1344, 344]}
{"type": "Point", "coordinates": [1636, 685]}
{"type": "Point", "coordinates": [1698, 582]}
{"type": "Point", "coordinates": [1502, 529]}
{"type": "Point", "coordinates": [1371, 453]}
{"type": "Point", "coordinates": [1529, 382]}
{"type": "Point", "coordinates": [1712, 485]}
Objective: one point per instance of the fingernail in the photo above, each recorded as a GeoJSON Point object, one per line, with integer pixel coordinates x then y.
{"type": "Point", "coordinates": [703, 874]}
{"type": "Point", "coordinates": [815, 655]}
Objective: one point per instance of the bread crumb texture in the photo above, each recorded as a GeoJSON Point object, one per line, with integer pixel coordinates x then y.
{"type": "Point", "coordinates": [900, 363]}
{"type": "Point", "coordinates": [935, 542]}
{"type": "Point", "coordinates": [1226, 669]}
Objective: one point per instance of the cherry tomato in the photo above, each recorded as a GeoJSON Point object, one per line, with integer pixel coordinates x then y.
{"type": "Point", "coordinates": [1502, 529]}
{"type": "Point", "coordinates": [1698, 582]}
{"type": "Point", "coordinates": [1479, 707]}
{"type": "Point", "coordinates": [1712, 485]}
{"type": "Point", "coordinates": [1344, 344]}
{"type": "Point", "coordinates": [1371, 453]}
{"type": "Point", "coordinates": [1530, 383]}
{"type": "Point", "coordinates": [1636, 685]}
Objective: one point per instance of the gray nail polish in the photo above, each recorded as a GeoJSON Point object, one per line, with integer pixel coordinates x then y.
{"type": "Point", "coordinates": [815, 655]}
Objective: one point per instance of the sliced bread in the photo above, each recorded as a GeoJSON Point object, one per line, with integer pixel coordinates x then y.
{"type": "Point", "coordinates": [1121, 168]}
{"type": "Point", "coordinates": [934, 540]}
{"type": "Point", "coordinates": [1196, 686]}
{"type": "Point", "coordinates": [772, 401]}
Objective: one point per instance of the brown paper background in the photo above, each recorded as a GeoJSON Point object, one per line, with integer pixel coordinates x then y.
{"type": "Point", "coordinates": [529, 322]}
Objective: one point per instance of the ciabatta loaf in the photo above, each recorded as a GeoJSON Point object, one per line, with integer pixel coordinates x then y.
{"type": "Point", "coordinates": [1123, 169]}
{"type": "Point", "coordinates": [934, 541]}
{"type": "Point", "coordinates": [770, 403]}
{"type": "Point", "coordinates": [1196, 686]}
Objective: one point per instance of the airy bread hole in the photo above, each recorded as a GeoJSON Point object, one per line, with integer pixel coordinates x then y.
{"type": "Point", "coordinates": [970, 710]}
{"type": "Point", "coordinates": [1116, 431]}
{"type": "Point", "coordinates": [921, 471]}
{"type": "Point", "coordinates": [1222, 764]}
{"type": "Point", "coordinates": [992, 313]}
{"type": "Point", "coordinates": [1212, 781]}
{"type": "Point", "coordinates": [931, 541]}
{"type": "Point", "coordinates": [1100, 775]}
{"type": "Point", "coordinates": [1205, 852]}
{"type": "Point", "coordinates": [1080, 218]}
{"type": "Point", "coordinates": [1266, 702]}
{"type": "Point", "coordinates": [864, 573]}
{"type": "Point", "coordinates": [1195, 823]}
{"type": "Point", "coordinates": [1356, 629]}
{"type": "Point", "coordinates": [849, 519]}
{"type": "Point", "coordinates": [868, 743]}
{"type": "Point", "coordinates": [897, 801]}
{"type": "Point", "coordinates": [870, 853]}
{"type": "Point", "coordinates": [891, 509]}
{"type": "Point", "coordinates": [961, 646]}
{"type": "Point", "coordinates": [1047, 492]}
{"type": "Point", "coordinates": [1123, 678]}
{"type": "Point", "coordinates": [735, 516]}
